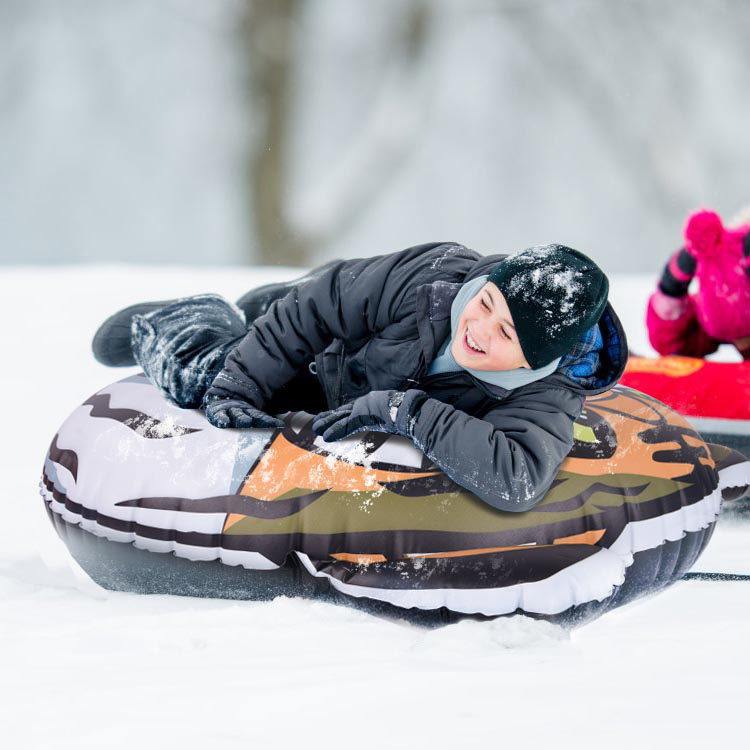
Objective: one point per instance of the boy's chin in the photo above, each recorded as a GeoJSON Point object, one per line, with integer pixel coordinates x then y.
{"type": "Point", "coordinates": [473, 363]}
{"type": "Point", "coordinates": [481, 366]}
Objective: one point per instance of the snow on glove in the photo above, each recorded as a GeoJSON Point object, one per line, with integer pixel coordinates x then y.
{"type": "Point", "coordinates": [378, 411]}
{"type": "Point", "coordinates": [238, 413]}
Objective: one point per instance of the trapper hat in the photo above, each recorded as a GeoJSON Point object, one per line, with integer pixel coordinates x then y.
{"type": "Point", "coordinates": [554, 294]}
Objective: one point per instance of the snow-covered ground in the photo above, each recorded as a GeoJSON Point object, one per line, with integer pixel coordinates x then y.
{"type": "Point", "coordinates": [81, 667]}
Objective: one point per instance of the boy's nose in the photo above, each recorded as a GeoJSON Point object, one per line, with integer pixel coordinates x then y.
{"type": "Point", "coordinates": [483, 330]}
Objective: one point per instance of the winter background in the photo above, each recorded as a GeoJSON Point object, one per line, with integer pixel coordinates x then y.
{"type": "Point", "coordinates": [165, 148]}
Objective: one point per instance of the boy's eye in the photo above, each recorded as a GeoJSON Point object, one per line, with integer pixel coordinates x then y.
{"type": "Point", "coordinates": [485, 306]}
{"type": "Point", "coordinates": [505, 333]}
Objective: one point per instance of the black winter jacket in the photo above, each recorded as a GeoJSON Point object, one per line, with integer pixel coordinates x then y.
{"type": "Point", "coordinates": [377, 324]}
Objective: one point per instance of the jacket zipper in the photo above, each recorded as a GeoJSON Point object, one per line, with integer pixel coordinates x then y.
{"type": "Point", "coordinates": [339, 376]}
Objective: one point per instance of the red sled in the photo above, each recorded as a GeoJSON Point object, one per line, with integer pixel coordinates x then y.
{"type": "Point", "coordinates": [714, 396]}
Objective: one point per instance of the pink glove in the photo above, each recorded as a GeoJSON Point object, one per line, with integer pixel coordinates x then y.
{"type": "Point", "coordinates": [668, 308]}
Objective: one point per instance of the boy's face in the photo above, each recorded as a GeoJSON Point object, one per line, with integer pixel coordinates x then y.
{"type": "Point", "coordinates": [486, 338]}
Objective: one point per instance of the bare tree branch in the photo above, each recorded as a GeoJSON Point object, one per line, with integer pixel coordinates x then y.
{"type": "Point", "coordinates": [269, 32]}
{"type": "Point", "coordinates": [568, 66]}
{"type": "Point", "coordinates": [287, 235]}
{"type": "Point", "coordinates": [381, 148]}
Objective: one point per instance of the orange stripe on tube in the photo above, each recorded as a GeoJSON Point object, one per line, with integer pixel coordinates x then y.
{"type": "Point", "coordinates": [467, 552]}
{"type": "Point", "coordinates": [286, 467]}
{"type": "Point", "coordinates": [359, 559]}
{"type": "Point", "coordinates": [587, 537]}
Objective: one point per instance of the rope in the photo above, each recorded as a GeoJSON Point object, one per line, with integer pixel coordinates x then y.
{"type": "Point", "coordinates": [696, 576]}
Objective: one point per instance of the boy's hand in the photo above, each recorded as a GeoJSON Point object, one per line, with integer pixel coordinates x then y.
{"type": "Point", "coordinates": [238, 413]}
{"type": "Point", "coordinates": [378, 411]}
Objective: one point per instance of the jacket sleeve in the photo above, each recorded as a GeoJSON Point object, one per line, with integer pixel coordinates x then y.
{"type": "Point", "coordinates": [509, 457]}
{"type": "Point", "coordinates": [673, 327]}
{"type": "Point", "coordinates": [350, 300]}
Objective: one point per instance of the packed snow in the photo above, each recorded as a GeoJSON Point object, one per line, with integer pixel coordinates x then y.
{"type": "Point", "coordinates": [81, 667]}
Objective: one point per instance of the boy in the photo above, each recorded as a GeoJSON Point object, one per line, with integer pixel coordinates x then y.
{"type": "Point", "coordinates": [484, 362]}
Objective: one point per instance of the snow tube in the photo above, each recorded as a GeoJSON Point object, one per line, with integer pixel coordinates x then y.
{"type": "Point", "coordinates": [714, 396]}
{"type": "Point", "coordinates": [150, 498]}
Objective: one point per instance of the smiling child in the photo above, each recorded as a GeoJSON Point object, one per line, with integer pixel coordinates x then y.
{"type": "Point", "coordinates": [483, 361]}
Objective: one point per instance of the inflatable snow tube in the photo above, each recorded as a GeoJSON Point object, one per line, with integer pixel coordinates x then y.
{"type": "Point", "coordinates": [150, 498]}
{"type": "Point", "coordinates": [714, 396]}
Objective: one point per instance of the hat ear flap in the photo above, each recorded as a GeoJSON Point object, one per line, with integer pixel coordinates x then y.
{"type": "Point", "coordinates": [703, 233]}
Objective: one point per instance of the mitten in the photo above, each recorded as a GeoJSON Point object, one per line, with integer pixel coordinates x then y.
{"type": "Point", "coordinates": [378, 411]}
{"type": "Point", "coordinates": [238, 413]}
{"type": "Point", "coordinates": [677, 274]}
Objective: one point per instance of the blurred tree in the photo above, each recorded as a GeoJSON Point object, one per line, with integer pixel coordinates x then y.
{"type": "Point", "coordinates": [292, 237]}
{"type": "Point", "coordinates": [566, 66]}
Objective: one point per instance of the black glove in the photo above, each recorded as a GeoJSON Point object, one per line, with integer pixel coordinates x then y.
{"type": "Point", "coordinates": [238, 413]}
{"type": "Point", "coordinates": [677, 286]}
{"type": "Point", "coordinates": [378, 411]}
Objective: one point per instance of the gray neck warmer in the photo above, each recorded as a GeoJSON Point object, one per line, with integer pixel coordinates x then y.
{"type": "Point", "coordinates": [446, 362]}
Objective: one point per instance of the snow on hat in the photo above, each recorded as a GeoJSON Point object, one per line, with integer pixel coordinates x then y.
{"type": "Point", "coordinates": [722, 256]}
{"type": "Point", "coordinates": [554, 294]}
